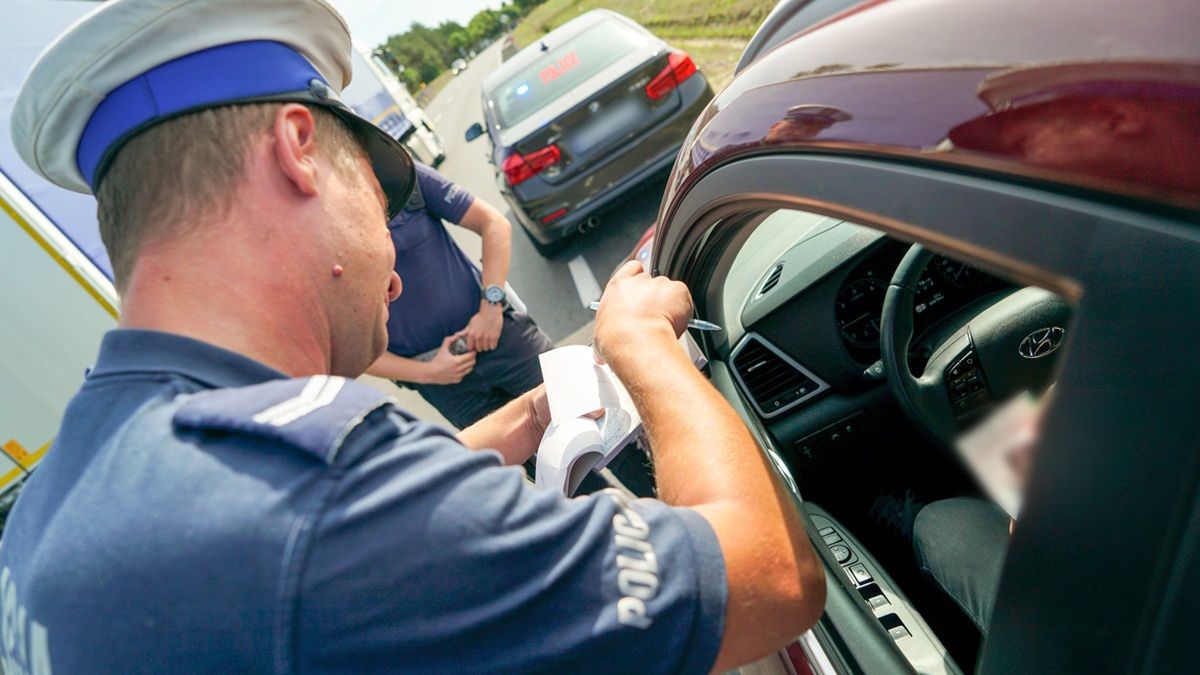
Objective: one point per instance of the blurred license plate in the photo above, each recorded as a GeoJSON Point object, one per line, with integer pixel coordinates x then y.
{"type": "Point", "coordinates": [607, 125]}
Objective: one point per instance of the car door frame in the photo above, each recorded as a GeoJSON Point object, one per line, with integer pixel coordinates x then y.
{"type": "Point", "coordinates": [1097, 571]}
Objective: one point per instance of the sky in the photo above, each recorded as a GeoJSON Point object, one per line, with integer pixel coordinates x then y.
{"type": "Point", "coordinates": [372, 21]}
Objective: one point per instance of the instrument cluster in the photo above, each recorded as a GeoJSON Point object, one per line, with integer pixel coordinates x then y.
{"type": "Point", "coordinates": [946, 286]}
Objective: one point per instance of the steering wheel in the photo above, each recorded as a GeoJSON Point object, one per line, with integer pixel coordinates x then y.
{"type": "Point", "coordinates": [996, 348]}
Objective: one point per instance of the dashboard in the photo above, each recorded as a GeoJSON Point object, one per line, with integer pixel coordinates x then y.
{"type": "Point", "coordinates": [805, 346]}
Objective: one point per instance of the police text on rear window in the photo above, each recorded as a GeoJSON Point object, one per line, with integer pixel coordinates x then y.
{"type": "Point", "coordinates": [562, 68]}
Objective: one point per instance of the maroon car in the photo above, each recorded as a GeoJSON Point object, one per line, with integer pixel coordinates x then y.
{"type": "Point", "coordinates": [911, 215]}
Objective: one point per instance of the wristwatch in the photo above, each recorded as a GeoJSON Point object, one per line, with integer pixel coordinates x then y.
{"type": "Point", "coordinates": [494, 295]}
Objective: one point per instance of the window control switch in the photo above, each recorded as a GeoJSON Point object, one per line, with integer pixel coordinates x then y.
{"type": "Point", "coordinates": [895, 627]}
{"type": "Point", "coordinates": [860, 574]}
{"type": "Point", "coordinates": [874, 596]}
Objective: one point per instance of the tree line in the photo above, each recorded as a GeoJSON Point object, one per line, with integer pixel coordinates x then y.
{"type": "Point", "coordinates": [422, 53]}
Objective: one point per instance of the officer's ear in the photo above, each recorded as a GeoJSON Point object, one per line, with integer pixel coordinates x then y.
{"type": "Point", "coordinates": [295, 138]}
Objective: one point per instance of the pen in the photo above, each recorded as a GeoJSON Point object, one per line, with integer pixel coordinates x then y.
{"type": "Point", "coordinates": [698, 324]}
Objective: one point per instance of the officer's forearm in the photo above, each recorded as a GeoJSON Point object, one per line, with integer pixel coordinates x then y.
{"type": "Point", "coordinates": [497, 248]}
{"type": "Point", "coordinates": [496, 232]}
{"type": "Point", "coordinates": [706, 459]}
{"type": "Point", "coordinates": [398, 368]}
{"type": "Point", "coordinates": [514, 430]}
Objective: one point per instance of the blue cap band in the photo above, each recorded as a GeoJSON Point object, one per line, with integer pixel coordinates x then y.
{"type": "Point", "coordinates": [224, 74]}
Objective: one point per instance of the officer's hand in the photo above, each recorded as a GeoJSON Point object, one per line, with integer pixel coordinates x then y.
{"type": "Point", "coordinates": [538, 411]}
{"type": "Point", "coordinates": [635, 307]}
{"type": "Point", "coordinates": [483, 331]}
{"type": "Point", "coordinates": [445, 367]}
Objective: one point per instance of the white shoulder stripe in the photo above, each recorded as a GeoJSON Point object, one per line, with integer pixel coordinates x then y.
{"type": "Point", "coordinates": [318, 392]}
{"type": "Point", "coordinates": [308, 393]}
{"type": "Point", "coordinates": [326, 396]}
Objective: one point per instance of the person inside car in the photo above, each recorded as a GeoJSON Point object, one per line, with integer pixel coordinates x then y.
{"type": "Point", "coordinates": [960, 543]}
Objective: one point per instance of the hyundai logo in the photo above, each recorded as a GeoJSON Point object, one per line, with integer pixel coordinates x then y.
{"type": "Point", "coordinates": [1041, 342]}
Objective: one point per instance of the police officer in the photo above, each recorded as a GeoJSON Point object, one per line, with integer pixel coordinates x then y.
{"type": "Point", "coordinates": [447, 297]}
{"type": "Point", "coordinates": [221, 499]}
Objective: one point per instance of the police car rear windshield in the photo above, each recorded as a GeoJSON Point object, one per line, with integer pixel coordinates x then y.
{"type": "Point", "coordinates": [562, 68]}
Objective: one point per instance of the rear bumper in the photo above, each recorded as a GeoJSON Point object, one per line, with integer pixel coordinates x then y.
{"type": "Point", "coordinates": [631, 164]}
{"type": "Point", "coordinates": [569, 224]}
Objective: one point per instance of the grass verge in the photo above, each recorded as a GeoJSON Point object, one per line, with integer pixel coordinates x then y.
{"type": "Point", "coordinates": [714, 32]}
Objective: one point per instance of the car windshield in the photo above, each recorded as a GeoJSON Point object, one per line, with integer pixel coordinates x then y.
{"type": "Point", "coordinates": [561, 69]}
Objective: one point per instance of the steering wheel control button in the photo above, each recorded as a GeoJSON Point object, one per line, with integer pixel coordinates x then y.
{"type": "Point", "coordinates": [967, 386]}
{"type": "Point", "coordinates": [875, 373]}
{"type": "Point", "coordinates": [840, 553]}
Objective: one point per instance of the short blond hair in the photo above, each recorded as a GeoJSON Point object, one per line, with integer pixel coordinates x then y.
{"type": "Point", "coordinates": [183, 168]}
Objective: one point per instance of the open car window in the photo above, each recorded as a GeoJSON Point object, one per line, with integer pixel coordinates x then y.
{"type": "Point", "coordinates": [919, 528]}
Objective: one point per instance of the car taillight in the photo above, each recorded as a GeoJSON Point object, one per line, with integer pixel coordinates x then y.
{"type": "Point", "coordinates": [519, 168]}
{"type": "Point", "coordinates": [680, 67]}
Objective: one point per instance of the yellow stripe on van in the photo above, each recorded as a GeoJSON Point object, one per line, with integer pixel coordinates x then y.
{"type": "Point", "coordinates": [27, 461]}
{"type": "Point", "coordinates": [10, 477]}
{"type": "Point", "coordinates": [23, 457]}
{"type": "Point", "coordinates": [108, 307]}
{"type": "Point", "coordinates": [395, 107]}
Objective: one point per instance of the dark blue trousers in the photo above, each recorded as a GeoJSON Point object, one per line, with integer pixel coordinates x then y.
{"type": "Point", "coordinates": [501, 375]}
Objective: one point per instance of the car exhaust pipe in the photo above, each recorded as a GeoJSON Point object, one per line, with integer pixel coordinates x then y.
{"type": "Point", "coordinates": [589, 224]}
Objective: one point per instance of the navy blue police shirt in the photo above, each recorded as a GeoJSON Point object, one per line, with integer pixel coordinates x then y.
{"type": "Point", "coordinates": [200, 512]}
{"type": "Point", "coordinates": [441, 286]}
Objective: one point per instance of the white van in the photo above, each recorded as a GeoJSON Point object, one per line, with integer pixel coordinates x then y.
{"type": "Point", "coordinates": [377, 95]}
{"type": "Point", "coordinates": [56, 299]}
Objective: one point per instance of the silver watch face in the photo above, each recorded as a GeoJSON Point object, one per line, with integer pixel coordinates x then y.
{"type": "Point", "coordinates": [494, 294]}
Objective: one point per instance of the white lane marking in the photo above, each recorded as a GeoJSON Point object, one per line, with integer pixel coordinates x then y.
{"type": "Point", "coordinates": [585, 282]}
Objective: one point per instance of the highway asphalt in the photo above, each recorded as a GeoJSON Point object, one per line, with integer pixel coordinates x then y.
{"type": "Point", "coordinates": [557, 291]}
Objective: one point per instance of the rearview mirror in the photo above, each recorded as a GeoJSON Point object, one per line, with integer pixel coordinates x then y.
{"type": "Point", "coordinates": [474, 131]}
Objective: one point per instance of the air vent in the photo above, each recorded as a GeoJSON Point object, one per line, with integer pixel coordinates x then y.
{"type": "Point", "coordinates": [772, 279]}
{"type": "Point", "coordinates": [774, 382]}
